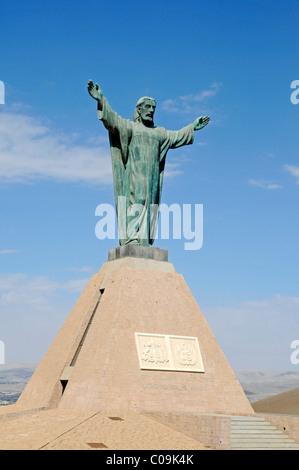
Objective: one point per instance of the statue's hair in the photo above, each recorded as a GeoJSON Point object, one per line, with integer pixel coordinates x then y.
{"type": "Point", "coordinates": [136, 117]}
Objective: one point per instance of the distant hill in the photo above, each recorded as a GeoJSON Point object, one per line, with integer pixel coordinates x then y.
{"type": "Point", "coordinates": [260, 384]}
{"type": "Point", "coordinates": [16, 371]}
{"type": "Point", "coordinates": [282, 403]}
{"type": "Point", "coordinates": [257, 384]}
{"type": "Point", "coordinates": [13, 378]}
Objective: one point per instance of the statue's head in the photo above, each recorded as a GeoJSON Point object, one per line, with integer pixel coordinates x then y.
{"type": "Point", "coordinates": [144, 111]}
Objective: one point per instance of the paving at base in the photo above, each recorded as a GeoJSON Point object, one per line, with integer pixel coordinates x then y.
{"type": "Point", "coordinates": [72, 430]}
{"type": "Point", "coordinates": [97, 362]}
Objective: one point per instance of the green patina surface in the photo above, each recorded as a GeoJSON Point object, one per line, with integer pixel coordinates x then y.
{"type": "Point", "coordinates": [138, 153]}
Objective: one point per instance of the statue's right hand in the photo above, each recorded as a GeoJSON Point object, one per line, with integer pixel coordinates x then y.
{"type": "Point", "coordinates": [94, 91]}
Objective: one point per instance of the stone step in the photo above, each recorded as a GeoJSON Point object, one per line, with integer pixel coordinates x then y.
{"type": "Point", "coordinates": [263, 439]}
{"type": "Point", "coordinates": [254, 433]}
{"type": "Point", "coordinates": [264, 448]}
{"type": "Point", "coordinates": [257, 446]}
{"type": "Point", "coordinates": [249, 428]}
{"type": "Point", "coordinates": [250, 424]}
{"type": "Point", "coordinates": [247, 419]}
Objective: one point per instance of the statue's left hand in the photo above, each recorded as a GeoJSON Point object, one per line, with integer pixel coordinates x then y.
{"type": "Point", "coordinates": [201, 122]}
{"type": "Point", "coordinates": [94, 91]}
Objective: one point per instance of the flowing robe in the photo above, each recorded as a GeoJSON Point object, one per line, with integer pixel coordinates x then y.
{"type": "Point", "coordinates": [138, 160]}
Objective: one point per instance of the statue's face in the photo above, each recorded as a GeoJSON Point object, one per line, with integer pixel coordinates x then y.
{"type": "Point", "coordinates": [147, 110]}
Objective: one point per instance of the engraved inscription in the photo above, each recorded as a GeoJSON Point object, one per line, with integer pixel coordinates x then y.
{"type": "Point", "coordinates": [166, 352]}
{"type": "Point", "coordinates": [186, 355]}
{"type": "Point", "coordinates": [154, 352]}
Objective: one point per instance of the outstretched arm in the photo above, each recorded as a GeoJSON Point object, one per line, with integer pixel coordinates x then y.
{"type": "Point", "coordinates": [201, 122]}
{"type": "Point", "coordinates": [110, 118]}
{"type": "Point", "coordinates": [185, 136]}
{"type": "Point", "coordinates": [114, 123]}
{"type": "Point", "coordinates": [95, 92]}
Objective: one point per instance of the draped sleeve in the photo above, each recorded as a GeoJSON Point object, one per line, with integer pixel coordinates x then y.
{"type": "Point", "coordinates": [120, 134]}
{"type": "Point", "coordinates": [175, 139]}
{"type": "Point", "coordinates": [120, 130]}
{"type": "Point", "coordinates": [184, 136]}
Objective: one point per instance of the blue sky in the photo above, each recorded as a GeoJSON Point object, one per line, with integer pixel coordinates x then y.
{"type": "Point", "coordinates": [232, 60]}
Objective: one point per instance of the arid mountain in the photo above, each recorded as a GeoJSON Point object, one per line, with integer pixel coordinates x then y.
{"type": "Point", "coordinates": [257, 384]}
{"type": "Point", "coordinates": [260, 384]}
{"type": "Point", "coordinates": [283, 403]}
{"type": "Point", "coordinates": [13, 378]}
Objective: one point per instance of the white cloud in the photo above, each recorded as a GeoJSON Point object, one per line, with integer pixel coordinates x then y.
{"type": "Point", "coordinates": [20, 290]}
{"type": "Point", "coordinates": [267, 155]}
{"type": "Point", "coordinates": [31, 150]}
{"type": "Point", "coordinates": [175, 165]}
{"type": "Point", "coordinates": [83, 269]}
{"type": "Point", "coordinates": [172, 170]}
{"type": "Point", "coordinates": [264, 184]}
{"type": "Point", "coordinates": [190, 103]}
{"type": "Point", "coordinates": [8, 252]}
{"type": "Point", "coordinates": [203, 95]}
{"type": "Point", "coordinates": [294, 170]}
{"type": "Point", "coordinates": [257, 333]}
{"type": "Point", "coordinates": [32, 310]}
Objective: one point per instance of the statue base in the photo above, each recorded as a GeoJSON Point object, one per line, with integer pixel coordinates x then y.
{"type": "Point", "coordinates": [136, 340]}
{"type": "Point", "coordinates": [134, 366]}
{"type": "Point", "coordinates": [138, 251]}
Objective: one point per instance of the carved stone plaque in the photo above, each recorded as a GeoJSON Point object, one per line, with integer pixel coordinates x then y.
{"type": "Point", "coordinates": [165, 352]}
{"type": "Point", "coordinates": [186, 353]}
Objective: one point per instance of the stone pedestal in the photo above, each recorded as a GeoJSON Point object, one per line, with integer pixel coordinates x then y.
{"type": "Point", "coordinates": [136, 251]}
{"type": "Point", "coordinates": [136, 340]}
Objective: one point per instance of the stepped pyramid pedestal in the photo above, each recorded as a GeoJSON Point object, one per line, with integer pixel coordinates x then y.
{"type": "Point", "coordinates": [136, 340]}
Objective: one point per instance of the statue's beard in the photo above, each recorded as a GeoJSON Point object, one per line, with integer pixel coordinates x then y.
{"type": "Point", "coordinates": [147, 121]}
